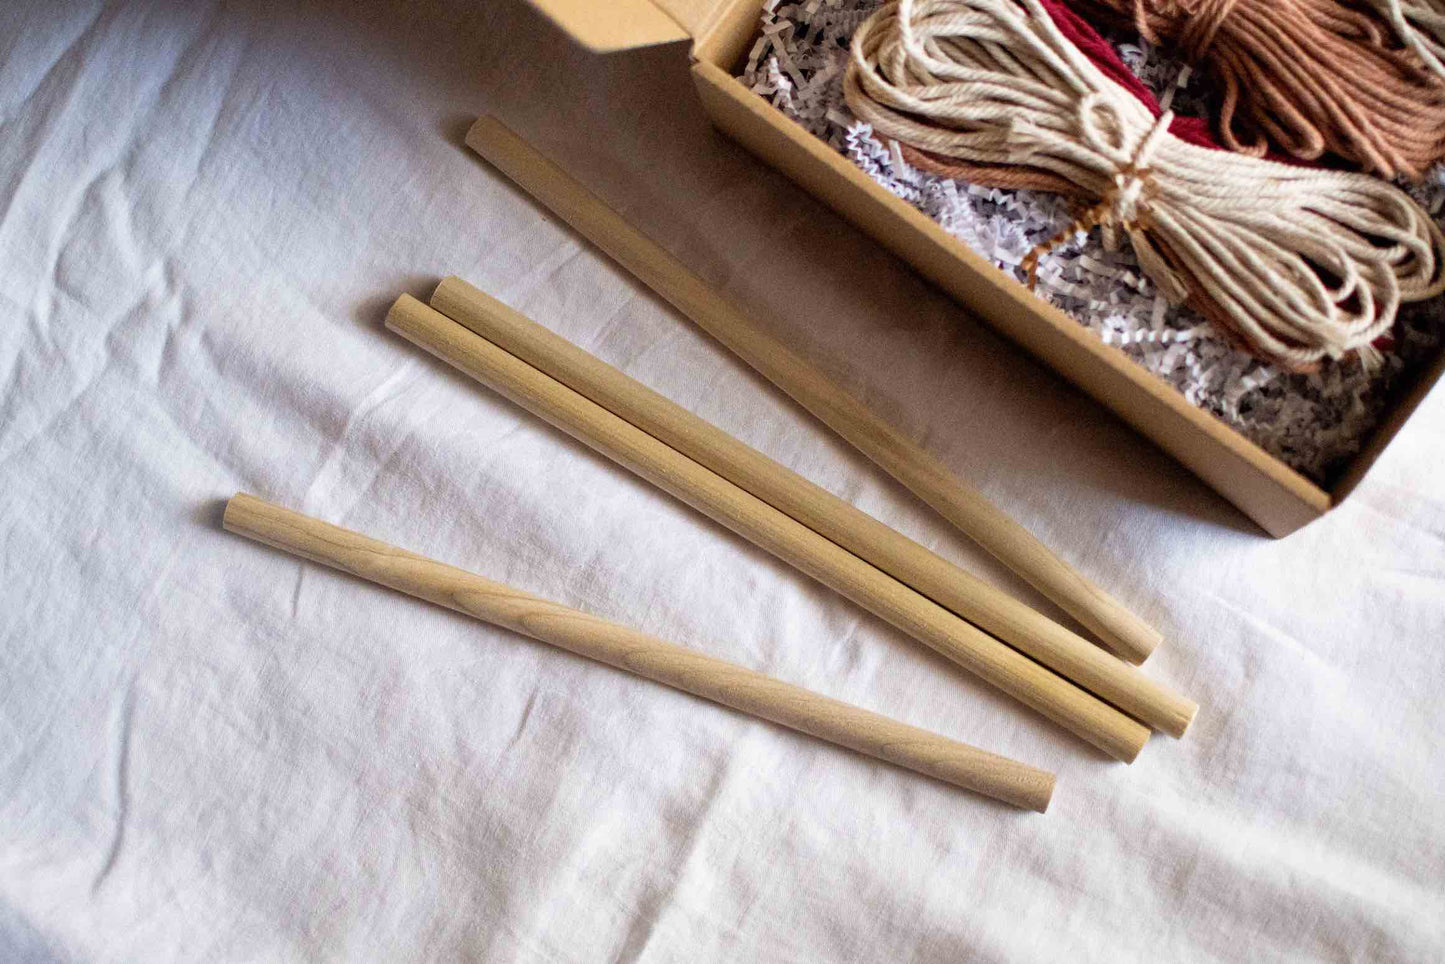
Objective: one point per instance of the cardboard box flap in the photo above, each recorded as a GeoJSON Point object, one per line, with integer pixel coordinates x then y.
{"type": "Point", "coordinates": [609, 25]}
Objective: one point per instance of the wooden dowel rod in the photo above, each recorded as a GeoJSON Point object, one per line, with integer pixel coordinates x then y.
{"type": "Point", "coordinates": [586, 635]}
{"type": "Point", "coordinates": [991, 609]}
{"type": "Point", "coordinates": [769, 529]}
{"type": "Point", "coordinates": [908, 462]}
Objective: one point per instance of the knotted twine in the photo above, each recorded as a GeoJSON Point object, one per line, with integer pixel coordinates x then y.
{"type": "Point", "coordinates": [1304, 264]}
{"type": "Point", "coordinates": [1311, 77]}
{"type": "Point", "coordinates": [1102, 55]}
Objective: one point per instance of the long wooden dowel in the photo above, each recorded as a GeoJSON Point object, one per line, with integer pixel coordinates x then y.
{"type": "Point", "coordinates": [908, 462]}
{"type": "Point", "coordinates": [983, 605]}
{"type": "Point", "coordinates": [596, 638]}
{"type": "Point", "coordinates": [769, 529]}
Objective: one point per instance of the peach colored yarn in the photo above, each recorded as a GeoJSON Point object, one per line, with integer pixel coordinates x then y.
{"type": "Point", "coordinates": [1308, 77]}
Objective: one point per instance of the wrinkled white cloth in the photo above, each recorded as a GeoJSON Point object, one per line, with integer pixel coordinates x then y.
{"type": "Point", "coordinates": [211, 751]}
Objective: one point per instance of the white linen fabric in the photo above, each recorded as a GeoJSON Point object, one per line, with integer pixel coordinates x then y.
{"type": "Point", "coordinates": [212, 751]}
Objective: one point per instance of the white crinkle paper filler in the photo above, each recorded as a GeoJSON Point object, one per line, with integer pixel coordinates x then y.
{"type": "Point", "coordinates": [1313, 423]}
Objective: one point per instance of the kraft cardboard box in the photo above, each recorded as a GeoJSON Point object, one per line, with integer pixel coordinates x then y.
{"type": "Point", "coordinates": [1268, 491]}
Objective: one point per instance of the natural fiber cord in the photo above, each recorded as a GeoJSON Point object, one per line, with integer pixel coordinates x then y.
{"type": "Point", "coordinates": [1420, 25]}
{"type": "Point", "coordinates": [1311, 77]}
{"type": "Point", "coordinates": [1302, 263]}
{"type": "Point", "coordinates": [1016, 177]}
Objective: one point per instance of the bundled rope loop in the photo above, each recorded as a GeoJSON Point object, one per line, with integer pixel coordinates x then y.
{"type": "Point", "coordinates": [1303, 264]}
{"type": "Point", "coordinates": [1310, 77]}
{"type": "Point", "coordinates": [1125, 203]}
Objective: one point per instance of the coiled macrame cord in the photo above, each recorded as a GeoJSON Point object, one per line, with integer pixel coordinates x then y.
{"type": "Point", "coordinates": [1304, 264]}
{"type": "Point", "coordinates": [1311, 77]}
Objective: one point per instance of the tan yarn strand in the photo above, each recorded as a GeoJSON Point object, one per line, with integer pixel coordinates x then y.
{"type": "Point", "coordinates": [1312, 76]}
{"type": "Point", "coordinates": [1302, 264]}
{"type": "Point", "coordinates": [1008, 178]}
{"type": "Point", "coordinates": [1420, 25]}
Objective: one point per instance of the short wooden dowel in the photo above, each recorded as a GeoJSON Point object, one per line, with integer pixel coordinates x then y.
{"type": "Point", "coordinates": [769, 529]}
{"type": "Point", "coordinates": [908, 462]}
{"type": "Point", "coordinates": [586, 635]}
{"type": "Point", "coordinates": [987, 607]}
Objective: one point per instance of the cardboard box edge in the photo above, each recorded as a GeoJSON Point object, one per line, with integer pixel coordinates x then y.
{"type": "Point", "coordinates": [1279, 499]}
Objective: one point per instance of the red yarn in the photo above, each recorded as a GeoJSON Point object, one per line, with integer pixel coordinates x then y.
{"type": "Point", "coordinates": [1081, 34]}
{"type": "Point", "coordinates": [1195, 130]}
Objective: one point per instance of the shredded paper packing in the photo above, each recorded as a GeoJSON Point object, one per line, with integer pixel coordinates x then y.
{"type": "Point", "coordinates": [1312, 422]}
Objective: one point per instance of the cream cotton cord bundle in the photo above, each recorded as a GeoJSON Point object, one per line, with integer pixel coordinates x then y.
{"type": "Point", "coordinates": [1304, 264]}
